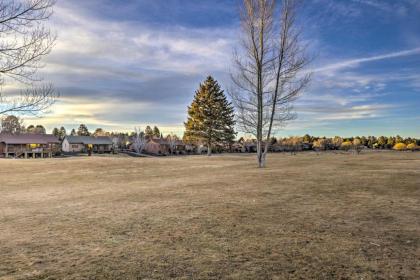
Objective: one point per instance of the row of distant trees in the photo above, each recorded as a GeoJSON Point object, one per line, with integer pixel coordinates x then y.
{"type": "Point", "coordinates": [14, 125]}
{"type": "Point", "coordinates": [357, 143]}
{"type": "Point", "coordinates": [84, 131]}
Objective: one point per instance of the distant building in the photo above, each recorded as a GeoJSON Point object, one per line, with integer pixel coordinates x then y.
{"type": "Point", "coordinates": [29, 145]}
{"type": "Point", "coordinates": [81, 144]}
{"type": "Point", "coordinates": [157, 146]}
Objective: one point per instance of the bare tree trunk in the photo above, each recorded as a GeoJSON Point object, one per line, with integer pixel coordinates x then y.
{"type": "Point", "coordinates": [268, 76]}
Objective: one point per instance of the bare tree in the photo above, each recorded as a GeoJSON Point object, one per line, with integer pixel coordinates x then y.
{"type": "Point", "coordinates": [172, 140]}
{"type": "Point", "coordinates": [31, 101]}
{"type": "Point", "coordinates": [24, 41]}
{"type": "Point", "coordinates": [268, 73]}
{"type": "Point", "coordinates": [139, 140]}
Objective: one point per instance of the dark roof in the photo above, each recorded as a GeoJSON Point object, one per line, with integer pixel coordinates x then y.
{"type": "Point", "coordinates": [163, 141]}
{"type": "Point", "coordinates": [86, 140]}
{"type": "Point", "coordinates": [160, 141]}
{"type": "Point", "coordinates": [28, 138]}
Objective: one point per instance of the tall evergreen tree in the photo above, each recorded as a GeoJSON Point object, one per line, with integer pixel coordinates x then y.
{"type": "Point", "coordinates": [73, 132]}
{"type": "Point", "coordinates": [148, 132]}
{"type": "Point", "coordinates": [56, 132]}
{"type": "Point", "coordinates": [39, 129]}
{"type": "Point", "coordinates": [100, 132]}
{"type": "Point", "coordinates": [83, 130]}
{"type": "Point", "coordinates": [156, 132]}
{"type": "Point", "coordinates": [210, 116]}
{"type": "Point", "coordinates": [62, 133]}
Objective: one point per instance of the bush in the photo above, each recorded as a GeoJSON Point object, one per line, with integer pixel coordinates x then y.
{"type": "Point", "coordinates": [347, 145]}
{"type": "Point", "coordinates": [413, 147]}
{"type": "Point", "coordinates": [357, 145]}
{"type": "Point", "coordinates": [400, 147]}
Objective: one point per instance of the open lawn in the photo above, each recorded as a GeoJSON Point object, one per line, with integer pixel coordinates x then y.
{"type": "Point", "coordinates": [326, 216]}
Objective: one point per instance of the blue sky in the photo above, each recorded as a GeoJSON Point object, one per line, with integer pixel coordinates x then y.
{"type": "Point", "coordinates": [120, 64]}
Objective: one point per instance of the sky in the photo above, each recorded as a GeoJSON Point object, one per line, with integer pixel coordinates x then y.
{"type": "Point", "coordinates": [120, 64]}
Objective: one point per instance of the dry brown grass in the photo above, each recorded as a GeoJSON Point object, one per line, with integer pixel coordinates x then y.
{"type": "Point", "coordinates": [327, 216]}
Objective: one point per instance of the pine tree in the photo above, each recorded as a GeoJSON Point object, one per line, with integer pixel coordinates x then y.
{"type": "Point", "coordinates": [156, 132]}
{"type": "Point", "coordinates": [210, 117]}
{"type": "Point", "coordinates": [73, 132]}
{"type": "Point", "coordinates": [83, 130]}
{"type": "Point", "coordinates": [30, 129]}
{"type": "Point", "coordinates": [39, 129]}
{"type": "Point", "coordinates": [148, 132]}
{"type": "Point", "coordinates": [62, 133]}
{"type": "Point", "coordinates": [56, 132]}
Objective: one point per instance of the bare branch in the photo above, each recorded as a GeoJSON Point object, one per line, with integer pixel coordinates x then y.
{"type": "Point", "coordinates": [32, 101]}
{"type": "Point", "coordinates": [24, 41]}
{"type": "Point", "coordinates": [268, 74]}
{"type": "Point", "coordinates": [139, 140]}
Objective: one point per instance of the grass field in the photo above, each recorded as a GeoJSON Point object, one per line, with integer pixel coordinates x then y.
{"type": "Point", "coordinates": [326, 216]}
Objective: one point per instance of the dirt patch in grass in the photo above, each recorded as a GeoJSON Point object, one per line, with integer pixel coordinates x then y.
{"type": "Point", "coordinates": [309, 216]}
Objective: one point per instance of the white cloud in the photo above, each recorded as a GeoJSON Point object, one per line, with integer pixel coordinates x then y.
{"type": "Point", "coordinates": [355, 62]}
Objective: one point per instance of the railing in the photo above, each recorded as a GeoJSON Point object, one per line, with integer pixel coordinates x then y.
{"type": "Point", "coordinates": [30, 150]}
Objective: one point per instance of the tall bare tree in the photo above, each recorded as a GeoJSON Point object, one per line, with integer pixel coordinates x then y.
{"type": "Point", "coordinates": [139, 140]}
{"type": "Point", "coordinates": [24, 41]}
{"type": "Point", "coordinates": [268, 69]}
{"type": "Point", "coordinates": [172, 140]}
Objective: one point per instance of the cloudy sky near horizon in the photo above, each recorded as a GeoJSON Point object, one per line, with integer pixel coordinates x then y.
{"type": "Point", "coordinates": [120, 64]}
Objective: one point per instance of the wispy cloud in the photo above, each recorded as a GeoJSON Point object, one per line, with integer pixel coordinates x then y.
{"type": "Point", "coordinates": [120, 64]}
{"type": "Point", "coordinates": [355, 62]}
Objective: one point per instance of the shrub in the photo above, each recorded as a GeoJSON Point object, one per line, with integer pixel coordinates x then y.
{"type": "Point", "coordinates": [357, 145]}
{"type": "Point", "coordinates": [400, 147]}
{"type": "Point", "coordinates": [347, 145]}
{"type": "Point", "coordinates": [413, 147]}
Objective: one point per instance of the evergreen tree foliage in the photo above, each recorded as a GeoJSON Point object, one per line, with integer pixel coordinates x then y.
{"type": "Point", "coordinates": [62, 133]}
{"type": "Point", "coordinates": [39, 129]}
{"type": "Point", "coordinates": [30, 129]}
{"type": "Point", "coordinates": [73, 132]}
{"type": "Point", "coordinates": [100, 132]}
{"type": "Point", "coordinates": [210, 116]}
{"type": "Point", "coordinates": [156, 132]}
{"type": "Point", "coordinates": [148, 132]}
{"type": "Point", "coordinates": [83, 130]}
{"type": "Point", "coordinates": [56, 132]}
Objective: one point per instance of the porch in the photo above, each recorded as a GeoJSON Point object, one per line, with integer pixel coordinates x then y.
{"type": "Point", "coordinates": [29, 150]}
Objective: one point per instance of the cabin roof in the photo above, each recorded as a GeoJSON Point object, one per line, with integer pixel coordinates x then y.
{"type": "Point", "coordinates": [159, 141]}
{"type": "Point", "coordinates": [86, 140]}
{"type": "Point", "coordinates": [27, 138]}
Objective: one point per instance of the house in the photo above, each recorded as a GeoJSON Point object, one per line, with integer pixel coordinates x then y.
{"type": "Point", "coordinates": [238, 147]}
{"type": "Point", "coordinates": [250, 146]}
{"type": "Point", "coordinates": [180, 147]}
{"type": "Point", "coordinates": [81, 144]}
{"type": "Point", "coordinates": [189, 148]}
{"type": "Point", "coordinates": [29, 145]}
{"type": "Point", "coordinates": [157, 146]}
{"type": "Point", "coordinates": [201, 149]}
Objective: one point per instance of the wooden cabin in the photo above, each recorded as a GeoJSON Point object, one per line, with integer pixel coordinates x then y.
{"type": "Point", "coordinates": [82, 144]}
{"type": "Point", "coordinates": [157, 146]}
{"type": "Point", "coordinates": [29, 145]}
{"type": "Point", "coordinates": [238, 147]}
